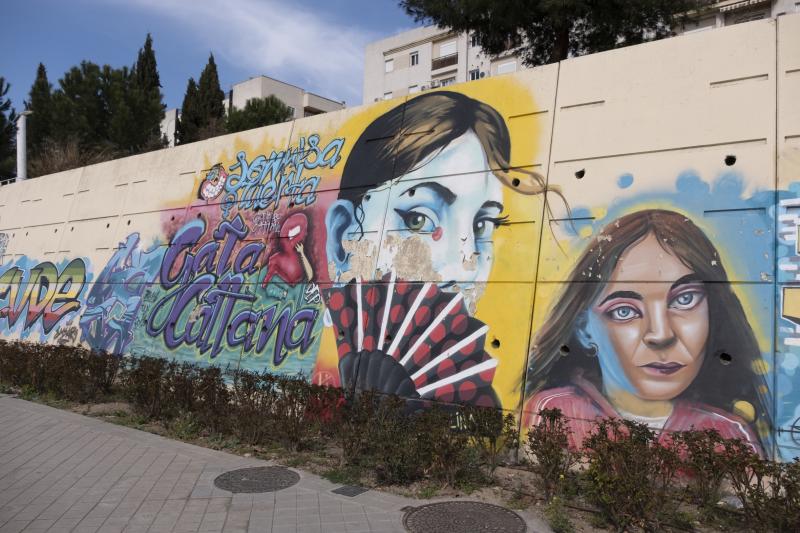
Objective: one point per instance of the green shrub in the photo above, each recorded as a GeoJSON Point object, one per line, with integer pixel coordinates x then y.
{"type": "Point", "coordinates": [769, 491]}
{"type": "Point", "coordinates": [548, 446]}
{"type": "Point", "coordinates": [557, 517]}
{"type": "Point", "coordinates": [630, 475]}
{"type": "Point", "coordinates": [253, 399]}
{"type": "Point", "coordinates": [704, 465]}
{"type": "Point", "coordinates": [491, 433]}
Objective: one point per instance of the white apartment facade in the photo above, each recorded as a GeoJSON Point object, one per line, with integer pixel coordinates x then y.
{"type": "Point", "coordinates": [430, 57]}
{"type": "Point", "coordinates": [718, 14]}
{"type": "Point", "coordinates": [301, 102]}
{"type": "Point", "coordinates": [425, 58]}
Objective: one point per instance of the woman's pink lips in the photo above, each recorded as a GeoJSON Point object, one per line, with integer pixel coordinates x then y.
{"type": "Point", "coordinates": [662, 369]}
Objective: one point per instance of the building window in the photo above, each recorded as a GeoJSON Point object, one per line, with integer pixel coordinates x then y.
{"type": "Point", "coordinates": [749, 17]}
{"type": "Point", "coordinates": [474, 74]}
{"type": "Point", "coordinates": [388, 65]}
{"type": "Point", "coordinates": [473, 40]}
{"type": "Point", "coordinates": [414, 58]}
{"type": "Point", "coordinates": [387, 96]}
{"type": "Point", "coordinates": [447, 81]}
{"type": "Point", "coordinates": [447, 49]}
{"type": "Point", "coordinates": [291, 110]}
{"type": "Point", "coordinates": [508, 66]}
{"type": "Point", "coordinates": [413, 89]}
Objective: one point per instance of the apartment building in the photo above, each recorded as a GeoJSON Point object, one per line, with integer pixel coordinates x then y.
{"type": "Point", "coordinates": [718, 14]}
{"type": "Point", "coordinates": [425, 58]}
{"type": "Point", "coordinates": [301, 102]}
{"type": "Point", "coordinates": [430, 57]}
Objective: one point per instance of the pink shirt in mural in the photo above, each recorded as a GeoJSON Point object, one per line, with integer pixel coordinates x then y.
{"type": "Point", "coordinates": [582, 403]}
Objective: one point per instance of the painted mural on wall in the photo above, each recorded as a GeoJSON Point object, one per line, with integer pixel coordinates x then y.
{"type": "Point", "coordinates": [398, 249]}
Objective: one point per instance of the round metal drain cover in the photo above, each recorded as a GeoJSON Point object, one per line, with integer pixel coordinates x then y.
{"type": "Point", "coordinates": [258, 479]}
{"type": "Point", "coordinates": [457, 517]}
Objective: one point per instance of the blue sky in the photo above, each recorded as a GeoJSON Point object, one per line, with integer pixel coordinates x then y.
{"type": "Point", "coordinates": [318, 45]}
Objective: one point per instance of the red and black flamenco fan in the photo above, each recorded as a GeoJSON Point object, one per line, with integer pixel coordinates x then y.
{"type": "Point", "coordinates": [411, 339]}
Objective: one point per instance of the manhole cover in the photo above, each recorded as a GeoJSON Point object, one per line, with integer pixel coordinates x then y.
{"type": "Point", "coordinates": [457, 517]}
{"type": "Point", "coordinates": [349, 490]}
{"type": "Point", "coordinates": [258, 479]}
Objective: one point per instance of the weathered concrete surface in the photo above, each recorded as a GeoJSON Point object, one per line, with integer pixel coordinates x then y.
{"type": "Point", "coordinates": [60, 471]}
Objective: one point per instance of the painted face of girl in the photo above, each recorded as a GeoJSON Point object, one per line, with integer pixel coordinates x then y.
{"type": "Point", "coordinates": [450, 218]}
{"type": "Point", "coordinates": [654, 313]}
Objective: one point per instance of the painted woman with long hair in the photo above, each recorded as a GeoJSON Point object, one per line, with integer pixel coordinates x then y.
{"type": "Point", "coordinates": [649, 328]}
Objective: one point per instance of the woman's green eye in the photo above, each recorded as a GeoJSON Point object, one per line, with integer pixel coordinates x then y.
{"type": "Point", "coordinates": [416, 221]}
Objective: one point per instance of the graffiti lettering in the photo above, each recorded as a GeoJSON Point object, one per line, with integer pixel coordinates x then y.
{"type": "Point", "coordinates": [205, 287]}
{"type": "Point", "coordinates": [262, 181]}
{"type": "Point", "coordinates": [46, 294]}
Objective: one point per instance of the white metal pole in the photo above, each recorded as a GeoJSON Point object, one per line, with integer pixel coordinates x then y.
{"type": "Point", "coordinates": [22, 152]}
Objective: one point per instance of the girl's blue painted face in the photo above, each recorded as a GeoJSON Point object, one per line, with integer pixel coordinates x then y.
{"type": "Point", "coordinates": [452, 203]}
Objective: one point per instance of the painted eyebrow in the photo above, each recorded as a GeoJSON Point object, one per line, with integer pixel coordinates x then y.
{"type": "Point", "coordinates": [447, 195]}
{"type": "Point", "coordinates": [622, 294]}
{"type": "Point", "coordinates": [685, 280]}
{"type": "Point", "coordinates": [492, 203]}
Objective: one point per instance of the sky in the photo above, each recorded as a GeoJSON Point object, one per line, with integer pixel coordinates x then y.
{"type": "Point", "coordinates": [315, 44]}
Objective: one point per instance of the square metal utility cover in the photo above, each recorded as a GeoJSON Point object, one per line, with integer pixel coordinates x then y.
{"type": "Point", "coordinates": [349, 490]}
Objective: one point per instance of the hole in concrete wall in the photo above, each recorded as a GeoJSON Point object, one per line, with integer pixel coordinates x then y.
{"type": "Point", "coordinates": [198, 215]}
{"type": "Point", "coordinates": [367, 197]}
{"type": "Point", "coordinates": [515, 182]}
{"type": "Point", "coordinates": [172, 217]}
{"type": "Point", "coordinates": [55, 230]}
{"type": "Point", "coordinates": [580, 174]}
{"type": "Point", "coordinates": [341, 334]}
{"type": "Point", "coordinates": [108, 225]}
{"type": "Point", "coordinates": [26, 233]}
{"type": "Point", "coordinates": [129, 222]}
{"type": "Point", "coordinates": [388, 338]}
{"type": "Point", "coordinates": [411, 192]}
{"type": "Point", "coordinates": [730, 160]}
{"type": "Point", "coordinates": [72, 228]}
{"type": "Point", "coordinates": [564, 349]}
{"type": "Point", "coordinates": [725, 358]}
{"type": "Point", "coordinates": [495, 343]}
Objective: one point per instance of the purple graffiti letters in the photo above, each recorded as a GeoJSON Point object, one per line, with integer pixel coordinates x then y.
{"type": "Point", "coordinates": [204, 289]}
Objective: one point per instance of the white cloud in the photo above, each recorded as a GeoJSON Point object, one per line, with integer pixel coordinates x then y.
{"type": "Point", "coordinates": [280, 39]}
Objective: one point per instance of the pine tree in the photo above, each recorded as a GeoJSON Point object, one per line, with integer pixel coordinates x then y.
{"type": "Point", "coordinates": [258, 112]}
{"type": "Point", "coordinates": [121, 98]}
{"type": "Point", "coordinates": [147, 106]}
{"type": "Point", "coordinates": [8, 131]}
{"type": "Point", "coordinates": [186, 130]}
{"type": "Point", "coordinates": [39, 125]}
{"type": "Point", "coordinates": [546, 31]}
{"type": "Point", "coordinates": [79, 108]}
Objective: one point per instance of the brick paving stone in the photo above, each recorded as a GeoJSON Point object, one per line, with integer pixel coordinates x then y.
{"type": "Point", "coordinates": [63, 472]}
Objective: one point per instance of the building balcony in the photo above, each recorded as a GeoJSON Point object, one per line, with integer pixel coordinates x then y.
{"type": "Point", "coordinates": [444, 61]}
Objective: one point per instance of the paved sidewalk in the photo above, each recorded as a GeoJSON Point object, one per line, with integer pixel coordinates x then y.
{"type": "Point", "coordinates": [60, 471]}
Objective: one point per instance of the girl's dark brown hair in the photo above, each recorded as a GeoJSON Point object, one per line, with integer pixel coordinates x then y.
{"type": "Point", "coordinates": [402, 138]}
{"type": "Point", "coordinates": [727, 372]}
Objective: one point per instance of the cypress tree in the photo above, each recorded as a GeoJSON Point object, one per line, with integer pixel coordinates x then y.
{"type": "Point", "coordinates": [39, 125]}
{"type": "Point", "coordinates": [186, 130]}
{"type": "Point", "coordinates": [8, 131]}
{"type": "Point", "coordinates": [146, 105]}
{"type": "Point", "coordinates": [210, 101]}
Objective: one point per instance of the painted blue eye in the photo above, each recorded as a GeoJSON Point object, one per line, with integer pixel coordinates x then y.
{"type": "Point", "coordinates": [686, 300]}
{"type": "Point", "coordinates": [623, 313]}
